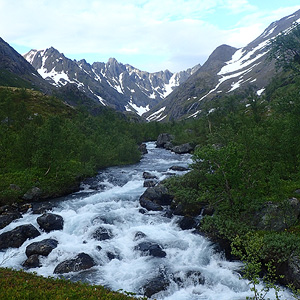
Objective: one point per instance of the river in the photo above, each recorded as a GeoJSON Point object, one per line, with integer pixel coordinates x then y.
{"type": "Point", "coordinates": [192, 267]}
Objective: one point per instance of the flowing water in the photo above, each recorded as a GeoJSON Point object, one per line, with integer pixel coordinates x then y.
{"type": "Point", "coordinates": [194, 270]}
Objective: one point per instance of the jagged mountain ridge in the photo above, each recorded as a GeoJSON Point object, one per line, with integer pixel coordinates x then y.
{"type": "Point", "coordinates": [228, 70]}
{"type": "Point", "coordinates": [113, 84]}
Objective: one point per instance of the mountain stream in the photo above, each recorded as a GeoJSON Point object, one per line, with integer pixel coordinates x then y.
{"type": "Point", "coordinates": [192, 268]}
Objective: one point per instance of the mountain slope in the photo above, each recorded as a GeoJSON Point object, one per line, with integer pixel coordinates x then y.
{"type": "Point", "coordinates": [16, 71]}
{"type": "Point", "coordinates": [113, 84]}
{"type": "Point", "coordinates": [227, 70]}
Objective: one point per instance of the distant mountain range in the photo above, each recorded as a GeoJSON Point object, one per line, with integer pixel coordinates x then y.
{"type": "Point", "coordinates": [228, 70]}
{"type": "Point", "coordinates": [159, 96]}
{"type": "Point", "coordinates": [113, 84]}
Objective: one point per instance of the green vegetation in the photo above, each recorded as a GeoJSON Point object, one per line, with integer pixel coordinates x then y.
{"type": "Point", "coordinates": [19, 285]}
{"type": "Point", "coordinates": [246, 162]}
{"type": "Point", "coordinates": [47, 144]}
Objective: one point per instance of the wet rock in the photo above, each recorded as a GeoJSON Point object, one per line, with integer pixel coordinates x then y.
{"type": "Point", "coordinates": [41, 207]}
{"type": "Point", "coordinates": [102, 234]}
{"type": "Point", "coordinates": [81, 262]}
{"type": "Point", "coordinates": [32, 261]}
{"type": "Point", "coordinates": [142, 211]}
{"type": "Point", "coordinates": [7, 217]}
{"type": "Point", "coordinates": [156, 285]}
{"type": "Point", "coordinates": [184, 148]}
{"type": "Point", "coordinates": [112, 255]}
{"type": "Point", "coordinates": [147, 175]}
{"type": "Point", "coordinates": [143, 149]}
{"type": "Point", "coordinates": [150, 205]}
{"type": "Point", "coordinates": [179, 211]}
{"type": "Point", "coordinates": [187, 222]}
{"type": "Point", "coordinates": [154, 197]}
{"type": "Point", "coordinates": [16, 237]}
{"type": "Point", "coordinates": [168, 146]}
{"type": "Point", "coordinates": [150, 183]}
{"type": "Point", "coordinates": [49, 222]}
{"type": "Point", "coordinates": [188, 278]}
{"type": "Point", "coordinates": [149, 248]}
{"type": "Point", "coordinates": [43, 247]}
{"type": "Point", "coordinates": [139, 235]}
{"type": "Point", "coordinates": [32, 194]}
{"type": "Point", "coordinates": [164, 138]}
{"type": "Point", "coordinates": [179, 168]}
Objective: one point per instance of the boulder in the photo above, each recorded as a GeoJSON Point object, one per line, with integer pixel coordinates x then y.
{"type": "Point", "coordinates": [41, 207]}
{"type": "Point", "coordinates": [187, 222]}
{"type": "Point", "coordinates": [158, 194]}
{"type": "Point", "coordinates": [149, 205]}
{"type": "Point", "coordinates": [16, 237]}
{"type": "Point", "coordinates": [81, 262]}
{"type": "Point", "coordinates": [143, 148]}
{"type": "Point", "coordinates": [277, 216]}
{"type": "Point", "coordinates": [149, 248]}
{"type": "Point", "coordinates": [147, 175]}
{"type": "Point", "coordinates": [32, 194]}
{"type": "Point", "coordinates": [179, 168]}
{"type": "Point", "coordinates": [102, 234]}
{"type": "Point", "coordinates": [49, 222]}
{"type": "Point", "coordinates": [139, 235]}
{"type": "Point", "coordinates": [164, 138]}
{"type": "Point", "coordinates": [32, 261]}
{"type": "Point", "coordinates": [149, 183]}
{"type": "Point", "coordinates": [292, 272]}
{"type": "Point", "coordinates": [184, 148]}
{"type": "Point", "coordinates": [8, 217]}
{"type": "Point", "coordinates": [43, 247]}
{"type": "Point", "coordinates": [156, 285]}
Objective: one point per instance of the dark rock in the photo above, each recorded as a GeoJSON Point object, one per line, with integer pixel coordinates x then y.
{"type": "Point", "coordinates": [32, 261]}
{"type": "Point", "coordinates": [164, 138]}
{"type": "Point", "coordinates": [49, 222]}
{"type": "Point", "coordinates": [99, 248]}
{"type": "Point", "coordinates": [7, 218]}
{"type": "Point", "coordinates": [143, 149]}
{"type": "Point", "coordinates": [150, 183]}
{"type": "Point", "coordinates": [149, 248]}
{"type": "Point", "coordinates": [188, 278]}
{"type": "Point", "coordinates": [178, 211]}
{"type": "Point", "coordinates": [156, 285]}
{"type": "Point", "coordinates": [291, 271]}
{"type": "Point", "coordinates": [182, 149]}
{"type": "Point", "coordinates": [179, 168]}
{"type": "Point", "coordinates": [32, 194]}
{"type": "Point", "coordinates": [139, 235]}
{"type": "Point", "coordinates": [168, 146]}
{"type": "Point", "coordinates": [187, 222]}
{"type": "Point", "coordinates": [168, 213]}
{"type": "Point", "coordinates": [147, 175]}
{"type": "Point", "coordinates": [81, 262]}
{"type": "Point", "coordinates": [24, 208]}
{"type": "Point", "coordinates": [112, 255]}
{"type": "Point", "coordinates": [208, 211]}
{"type": "Point", "coordinates": [158, 194]}
{"type": "Point", "coordinates": [278, 217]}
{"type": "Point", "coordinates": [150, 205]}
{"type": "Point", "coordinates": [43, 247]}
{"type": "Point", "coordinates": [16, 237]}
{"type": "Point", "coordinates": [41, 207]}
{"type": "Point", "coordinates": [142, 211]}
{"type": "Point", "coordinates": [102, 234]}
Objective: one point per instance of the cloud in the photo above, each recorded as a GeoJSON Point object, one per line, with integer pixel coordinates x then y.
{"type": "Point", "coordinates": [174, 33]}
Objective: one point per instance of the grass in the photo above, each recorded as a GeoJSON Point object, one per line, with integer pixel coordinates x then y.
{"type": "Point", "coordinates": [19, 285]}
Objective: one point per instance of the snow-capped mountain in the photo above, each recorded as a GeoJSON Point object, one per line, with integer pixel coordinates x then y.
{"type": "Point", "coordinates": [113, 84]}
{"type": "Point", "coordinates": [227, 70]}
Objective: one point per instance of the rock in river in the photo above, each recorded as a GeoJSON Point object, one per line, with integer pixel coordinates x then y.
{"type": "Point", "coordinates": [49, 222]}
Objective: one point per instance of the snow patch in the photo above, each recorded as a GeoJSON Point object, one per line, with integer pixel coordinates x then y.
{"type": "Point", "coordinates": [140, 110]}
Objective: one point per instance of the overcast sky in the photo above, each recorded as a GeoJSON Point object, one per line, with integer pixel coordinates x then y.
{"type": "Point", "coordinates": [151, 35]}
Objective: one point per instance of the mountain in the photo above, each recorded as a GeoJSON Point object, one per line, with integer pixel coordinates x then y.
{"type": "Point", "coordinates": [228, 70]}
{"type": "Point", "coordinates": [113, 84]}
{"type": "Point", "coordinates": [16, 71]}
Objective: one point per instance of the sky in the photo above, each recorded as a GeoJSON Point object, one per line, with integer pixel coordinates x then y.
{"type": "Point", "coordinates": [151, 35]}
